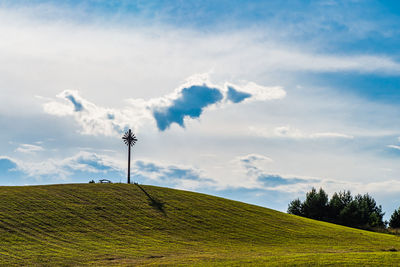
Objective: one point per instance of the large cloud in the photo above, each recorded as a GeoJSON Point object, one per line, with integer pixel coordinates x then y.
{"type": "Point", "coordinates": [187, 101]}
{"type": "Point", "coordinates": [190, 104]}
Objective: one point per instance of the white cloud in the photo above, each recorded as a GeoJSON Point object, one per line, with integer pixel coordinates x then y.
{"type": "Point", "coordinates": [65, 167]}
{"type": "Point", "coordinates": [258, 92]}
{"type": "Point", "coordinates": [254, 158]}
{"type": "Point", "coordinates": [249, 168]}
{"type": "Point", "coordinates": [394, 147]}
{"type": "Point", "coordinates": [175, 175]}
{"type": "Point", "coordinates": [122, 62]}
{"type": "Point", "coordinates": [331, 135]}
{"type": "Point", "coordinates": [287, 131]}
{"type": "Point", "coordinates": [305, 61]}
{"type": "Point", "coordinates": [331, 186]}
{"type": "Point", "coordinates": [294, 133]}
{"type": "Point", "coordinates": [29, 148]}
{"type": "Point", "coordinates": [58, 109]}
{"type": "Point", "coordinates": [253, 163]}
{"type": "Point", "coordinates": [96, 120]}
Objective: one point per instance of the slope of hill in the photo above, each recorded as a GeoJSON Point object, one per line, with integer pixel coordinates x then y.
{"type": "Point", "coordinates": [105, 224]}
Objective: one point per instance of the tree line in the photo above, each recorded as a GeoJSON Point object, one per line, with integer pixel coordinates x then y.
{"type": "Point", "coordinates": [360, 211]}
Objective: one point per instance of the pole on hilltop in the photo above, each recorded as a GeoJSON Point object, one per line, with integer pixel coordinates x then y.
{"type": "Point", "coordinates": [130, 140]}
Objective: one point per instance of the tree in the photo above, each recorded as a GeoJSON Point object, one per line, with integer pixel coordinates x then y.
{"type": "Point", "coordinates": [315, 205]}
{"type": "Point", "coordinates": [295, 207]}
{"type": "Point", "coordinates": [371, 215]}
{"type": "Point", "coordinates": [360, 211]}
{"type": "Point", "coordinates": [337, 203]}
{"type": "Point", "coordinates": [350, 214]}
{"type": "Point", "coordinates": [395, 219]}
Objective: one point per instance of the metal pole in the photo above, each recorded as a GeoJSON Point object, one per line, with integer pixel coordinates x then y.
{"type": "Point", "coordinates": [129, 160]}
{"type": "Point", "coordinates": [130, 140]}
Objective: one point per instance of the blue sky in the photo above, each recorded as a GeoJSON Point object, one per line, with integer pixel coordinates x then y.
{"type": "Point", "coordinates": [256, 101]}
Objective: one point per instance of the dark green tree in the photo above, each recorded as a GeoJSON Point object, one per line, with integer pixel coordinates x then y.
{"type": "Point", "coordinates": [350, 214]}
{"type": "Point", "coordinates": [371, 215]}
{"type": "Point", "coordinates": [295, 207]}
{"type": "Point", "coordinates": [337, 203]}
{"type": "Point", "coordinates": [315, 205]}
{"type": "Point", "coordinates": [395, 219]}
{"type": "Point", "coordinates": [362, 212]}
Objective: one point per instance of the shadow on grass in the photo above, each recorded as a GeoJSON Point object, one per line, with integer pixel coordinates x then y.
{"type": "Point", "coordinates": [157, 204]}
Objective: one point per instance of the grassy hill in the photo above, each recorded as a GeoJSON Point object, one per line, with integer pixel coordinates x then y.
{"type": "Point", "coordinates": [105, 224]}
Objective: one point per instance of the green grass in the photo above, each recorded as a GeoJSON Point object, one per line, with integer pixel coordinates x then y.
{"type": "Point", "coordinates": [106, 224]}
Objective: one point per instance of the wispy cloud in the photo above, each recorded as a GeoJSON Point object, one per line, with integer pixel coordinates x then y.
{"type": "Point", "coordinates": [253, 158]}
{"type": "Point", "coordinates": [100, 165]}
{"type": "Point", "coordinates": [256, 166]}
{"type": "Point", "coordinates": [394, 147]}
{"type": "Point", "coordinates": [272, 181]}
{"type": "Point", "coordinates": [294, 133]}
{"type": "Point", "coordinates": [177, 176]}
{"type": "Point", "coordinates": [29, 148]}
{"type": "Point", "coordinates": [250, 92]}
{"type": "Point", "coordinates": [91, 118]}
{"type": "Point", "coordinates": [64, 168]}
{"type": "Point", "coordinates": [331, 135]}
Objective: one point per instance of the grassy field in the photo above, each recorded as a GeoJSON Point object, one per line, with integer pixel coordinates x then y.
{"type": "Point", "coordinates": [106, 224]}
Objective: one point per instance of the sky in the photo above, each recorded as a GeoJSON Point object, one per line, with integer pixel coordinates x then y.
{"type": "Point", "coordinates": [256, 101]}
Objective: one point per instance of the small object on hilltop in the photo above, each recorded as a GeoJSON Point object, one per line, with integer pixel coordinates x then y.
{"type": "Point", "coordinates": [130, 140]}
{"type": "Point", "coordinates": [105, 181]}
{"type": "Point", "coordinates": [92, 181]}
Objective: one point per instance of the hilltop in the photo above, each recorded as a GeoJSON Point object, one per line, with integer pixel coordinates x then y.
{"type": "Point", "coordinates": [104, 224]}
